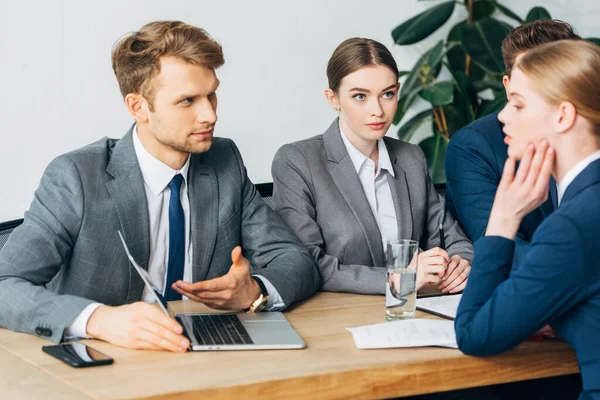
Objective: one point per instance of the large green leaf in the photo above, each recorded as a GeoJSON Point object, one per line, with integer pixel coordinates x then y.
{"type": "Point", "coordinates": [408, 129]}
{"type": "Point", "coordinates": [460, 112]}
{"type": "Point", "coordinates": [488, 84]}
{"type": "Point", "coordinates": [465, 89]}
{"type": "Point", "coordinates": [435, 55]}
{"type": "Point", "coordinates": [491, 106]}
{"type": "Point", "coordinates": [509, 13]}
{"type": "Point", "coordinates": [439, 94]}
{"type": "Point", "coordinates": [434, 148]}
{"type": "Point", "coordinates": [422, 25]}
{"type": "Point", "coordinates": [537, 13]}
{"type": "Point", "coordinates": [414, 79]}
{"type": "Point", "coordinates": [457, 56]}
{"type": "Point", "coordinates": [404, 103]}
{"type": "Point", "coordinates": [483, 41]}
{"type": "Point", "coordinates": [594, 40]}
{"type": "Point", "coordinates": [483, 9]}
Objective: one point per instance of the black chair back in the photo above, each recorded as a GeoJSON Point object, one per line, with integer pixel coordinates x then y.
{"type": "Point", "coordinates": [266, 192]}
{"type": "Point", "coordinates": [5, 230]}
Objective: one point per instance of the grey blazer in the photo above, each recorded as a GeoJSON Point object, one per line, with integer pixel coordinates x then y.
{"type": "Point", "coordinates": [69, 237]}
{"type": "Point", "coordinates": [316, 190]}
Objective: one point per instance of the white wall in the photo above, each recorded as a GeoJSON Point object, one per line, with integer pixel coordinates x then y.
{"type": "Point", "coordinates": [58, 91]}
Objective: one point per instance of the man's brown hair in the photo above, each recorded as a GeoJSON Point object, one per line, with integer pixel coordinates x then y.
{"type": "Point", "coordinates": [136, 57]}
{"type": "Point", "coordinates": [534, 34]}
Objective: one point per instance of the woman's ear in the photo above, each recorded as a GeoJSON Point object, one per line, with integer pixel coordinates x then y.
{"type": "Point", "coordinates": [332, 99]}
{"type": "Point", "coordinates": [566, 116]}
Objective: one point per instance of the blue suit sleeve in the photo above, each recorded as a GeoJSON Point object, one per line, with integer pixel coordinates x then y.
{"type": "Point", "coordinates": [471, 180]}
{"type": "Point", "coordinates": [500, 309]}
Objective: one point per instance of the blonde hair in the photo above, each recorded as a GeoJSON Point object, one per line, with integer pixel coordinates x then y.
{"type": "Point", "coordinates": [567, 70]}
{"type": "Point", "coordinates": [136, 57]}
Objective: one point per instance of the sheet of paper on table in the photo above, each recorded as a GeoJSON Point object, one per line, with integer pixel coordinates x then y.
{"type": "Point", "coordinates": [405, 333]}
{"type": "Point", "coordinates": [443, 306]}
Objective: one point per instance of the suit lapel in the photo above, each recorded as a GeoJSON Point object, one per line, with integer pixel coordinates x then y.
{"type": "Point", "coordinates": [589, 176]}
{"type": "Point", "coordinates": [129, 198]}
{"type": "Point", "coordinates": [401, 198]}
{"type": "Point", "coordinates": [344, 175]}
{"type": "Point", "coordinates": [204, 212]}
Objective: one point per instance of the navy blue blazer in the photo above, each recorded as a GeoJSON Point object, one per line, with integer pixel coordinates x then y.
{"type": "Point", "coordinates": [558, 283]}
{"type": "Point", "coordinates": [474, 162]}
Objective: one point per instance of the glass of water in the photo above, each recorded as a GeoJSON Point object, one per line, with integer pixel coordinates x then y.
{"type": "Point", "coordinates": [401, 285]}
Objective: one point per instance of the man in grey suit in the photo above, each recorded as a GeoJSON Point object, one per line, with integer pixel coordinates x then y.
{"type": "Point", "coordinates": [181, 198]}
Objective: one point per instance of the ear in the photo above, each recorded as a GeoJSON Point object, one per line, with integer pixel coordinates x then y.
{"type": "Point", "coordinates": [332, 98]}
{"type": "Point", "coordinates": [566, 116]}
{"type": "Point", "coordinates": [505, 82]}
{"type": "Point", "coordinates": [137, 106]}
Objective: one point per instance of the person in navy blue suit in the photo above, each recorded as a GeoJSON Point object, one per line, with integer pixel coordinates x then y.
{"type": "Point", "coordinates": [476, 154]}
{"type": "Point", "coordinates": [552, 124]}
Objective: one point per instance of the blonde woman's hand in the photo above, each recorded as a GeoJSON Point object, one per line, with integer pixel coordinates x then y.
{"type": "Point", "coordinates": [520, 193]}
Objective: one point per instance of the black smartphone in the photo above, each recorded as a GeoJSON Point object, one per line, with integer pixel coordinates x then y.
{"type": "Point", "coordinates": [78, 355]}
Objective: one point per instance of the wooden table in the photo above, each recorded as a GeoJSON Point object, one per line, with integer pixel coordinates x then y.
{"type": "Point", "coordinates": [330, 367]}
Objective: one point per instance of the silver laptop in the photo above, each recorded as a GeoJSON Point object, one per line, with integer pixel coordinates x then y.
{"type": "Point", "coordinates": [232, 331]}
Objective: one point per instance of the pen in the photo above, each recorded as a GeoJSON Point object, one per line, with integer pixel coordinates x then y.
{"type": "Point", "coordinates": [442, 241]}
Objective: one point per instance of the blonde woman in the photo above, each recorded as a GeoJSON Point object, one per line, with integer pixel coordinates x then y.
{"type": "Point", "coordinates": [552, 123]}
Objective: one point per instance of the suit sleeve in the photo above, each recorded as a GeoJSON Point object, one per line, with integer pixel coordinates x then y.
{"type": "Point", "coordinates": [37, 250]}
{"type": "Point", "coordinates": [500, 309]}
{"type": "Point", "coordinates": [454, 238]}
{"type": "Point", "coordinates": [273, 250]}
{"type": "Point", "coordinates": [295, 203]}
{"type": "Point", "coordinates": [471, 184]}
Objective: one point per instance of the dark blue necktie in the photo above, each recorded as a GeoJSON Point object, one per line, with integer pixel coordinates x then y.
{"type": "Point", "coordinates": [176, 240]}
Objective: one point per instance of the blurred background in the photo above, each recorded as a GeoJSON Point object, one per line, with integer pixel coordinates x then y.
{"type": "Point", "coordinates": [59, 92]}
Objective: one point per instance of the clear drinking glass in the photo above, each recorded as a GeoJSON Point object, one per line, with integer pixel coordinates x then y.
{"type": "Point", "coordinates": [401, 285]}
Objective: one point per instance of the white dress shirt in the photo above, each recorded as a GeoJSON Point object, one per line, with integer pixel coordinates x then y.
{"type": "Point", "coordinates": [157, 176]}
{"type": "Point", "coordinates": [572, 174]}
{"type": "Point", "coordinates": [375, 184]}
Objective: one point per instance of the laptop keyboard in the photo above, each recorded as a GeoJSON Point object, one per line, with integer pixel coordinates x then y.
{"type": "Point", "coordinates": [219, 329]}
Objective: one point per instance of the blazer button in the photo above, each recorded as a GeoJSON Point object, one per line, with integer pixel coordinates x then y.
{"type": "Point", "coordinates": [47, 332]}
{"type": "Point", "coordinates": [39, 331]}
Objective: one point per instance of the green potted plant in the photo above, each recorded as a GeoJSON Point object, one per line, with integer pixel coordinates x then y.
{"type": "Point", "coordinates": [471, 53]}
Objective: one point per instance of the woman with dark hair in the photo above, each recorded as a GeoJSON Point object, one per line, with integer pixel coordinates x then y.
{"type": "Point", "coordinates": [347, 192]}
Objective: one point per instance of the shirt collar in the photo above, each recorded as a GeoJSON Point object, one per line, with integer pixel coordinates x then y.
{"type": "Point", "coordinates": [156, 174]}
{"type": "Point", "coordinates": [570, 176]}
{"type": "Point", "coordinates": [358, 158]}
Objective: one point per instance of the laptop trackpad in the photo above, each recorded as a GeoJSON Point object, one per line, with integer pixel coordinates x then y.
{"type": "Point", "coordinates": [270, 328]}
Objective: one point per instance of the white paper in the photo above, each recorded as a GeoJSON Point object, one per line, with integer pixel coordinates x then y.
{"type": "Point", "coordinates": [405, 333]}
{"type": "Point", "coordinates": [442, 305]}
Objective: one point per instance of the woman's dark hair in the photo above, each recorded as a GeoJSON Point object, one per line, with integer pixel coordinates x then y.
{"type": "Point", "coordinates": [353, 54]}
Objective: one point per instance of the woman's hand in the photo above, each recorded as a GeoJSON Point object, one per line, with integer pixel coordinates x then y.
{"type": "Point", "coordinates": [455, 278]}
{"type": "Point", "coordinates": [519, 194]}
{"type": "Point", "coordinates": [431, 267]}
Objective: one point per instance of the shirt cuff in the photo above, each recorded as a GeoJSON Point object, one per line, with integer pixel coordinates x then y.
{"type": "Point", "coordinates": [275, 302]}
{"type": "Point", "coordinates": [77, 328]}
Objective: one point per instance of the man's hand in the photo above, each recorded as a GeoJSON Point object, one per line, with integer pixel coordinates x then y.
{"type": "Point", "coordinates": [455, 278]}
{"type": "Point", "coordinates": [236, 290]}
{"type": "Point", "coordinates": [137, 326]}
{"type": "Point", "coordinates": [431, 266]}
